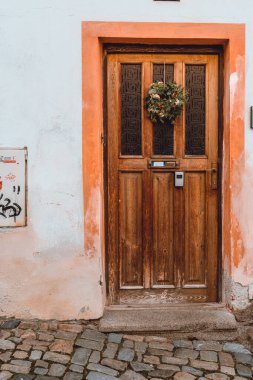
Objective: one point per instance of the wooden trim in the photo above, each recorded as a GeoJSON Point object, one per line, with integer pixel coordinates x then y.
{"type": "Point", "coordinates": [105, 166]}
{"type": "Point", "coordinates": [220, 170]}
{"type": "Point", "coordinates": [162, 49]}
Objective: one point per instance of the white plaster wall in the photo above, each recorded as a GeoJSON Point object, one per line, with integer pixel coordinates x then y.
{"type": "Point", "coordinates": [44, 271]}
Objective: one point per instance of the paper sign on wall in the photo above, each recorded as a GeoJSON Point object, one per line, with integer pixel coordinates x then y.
{"type": "Point", "coordinates": [13, 187]}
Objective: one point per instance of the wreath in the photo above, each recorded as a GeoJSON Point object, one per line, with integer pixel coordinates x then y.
{"type": "Point", "coordinates": [164, 102]}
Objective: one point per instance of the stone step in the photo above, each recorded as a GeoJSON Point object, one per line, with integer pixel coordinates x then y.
{"type": "Point", "coordinates": [213, 320]}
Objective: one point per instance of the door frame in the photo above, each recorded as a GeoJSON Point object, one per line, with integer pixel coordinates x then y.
{"type": "Point", "coordinates": [158, 49]}
{"type": "Point", "coordinates": [231, 37]}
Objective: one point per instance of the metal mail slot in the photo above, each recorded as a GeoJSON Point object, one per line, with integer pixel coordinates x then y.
{"type": "Point", "coordinates": [162, 164]}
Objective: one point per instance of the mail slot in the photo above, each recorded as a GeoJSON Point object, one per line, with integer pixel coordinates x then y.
{"type": "Point", "coordinates": [162, 164]}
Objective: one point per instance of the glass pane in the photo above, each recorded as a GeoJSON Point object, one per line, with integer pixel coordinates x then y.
{"type": "Point", "coordinates": [131, 144]}
{"type": "Point", "coordinates": [195, 121]}
{"type": "Point", "coordinates": [163, 135]}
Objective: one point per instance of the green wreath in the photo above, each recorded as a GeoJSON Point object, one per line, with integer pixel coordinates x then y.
{"type": "Point", "coordinates": [165, 101]}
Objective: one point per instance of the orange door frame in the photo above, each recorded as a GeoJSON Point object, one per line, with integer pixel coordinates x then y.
{"type": "Point", "coordinates": [232, 37]}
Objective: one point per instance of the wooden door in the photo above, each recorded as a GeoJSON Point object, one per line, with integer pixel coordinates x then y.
{"type": "Point", "coordinates": [162, 239]}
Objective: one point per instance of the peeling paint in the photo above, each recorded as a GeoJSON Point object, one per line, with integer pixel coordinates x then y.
{"type": "Point", "coordinates": [92, 218]}
{"type": "Point", "coordinates": [242, 208]}
{"type": "Point", "coordinates": [233, 87]}
{"type": "Point", "coordinates": [236, 79]}
{"type": "Point", "coordinates": [235, 294]}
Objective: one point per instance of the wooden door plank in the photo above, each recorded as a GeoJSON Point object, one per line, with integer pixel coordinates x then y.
{"type": "Point", "coordinates": [147, 195]}
{"type": "Point", "coordinates": [195, 231]}
{"type": "Point", "coordinates": [113, 197]}
{"type": "Point", "coordinates": [212, 205]}
{"type": "Point", "coordinates": [163, 234]}
{"type": "Point", "coordinates": [212, 243]}
{"type": "Point", "coordinates": [130, 230]}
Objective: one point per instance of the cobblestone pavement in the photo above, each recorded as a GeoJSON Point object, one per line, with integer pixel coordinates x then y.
{"type": "Point", "coordinates": [74, 351]}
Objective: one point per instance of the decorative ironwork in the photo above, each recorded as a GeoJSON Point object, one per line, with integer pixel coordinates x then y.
{"type": "Point", "coordinates": [195, 122]}
{"type": "Point", "coordinates": [163, 134]}
{"type": "Point", "coordinates": [158, 72]}
{"type": "Point", "coordinates": [131, 139]}
{"type": "Point", "coordinates": [163, 139]}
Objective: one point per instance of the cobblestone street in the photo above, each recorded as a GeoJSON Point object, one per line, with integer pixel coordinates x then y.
{"type": "Point", "coordinates": [74, 351]}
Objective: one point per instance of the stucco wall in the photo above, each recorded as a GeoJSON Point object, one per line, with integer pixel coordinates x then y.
{"type": "Point", "coordinates": [44, 270]}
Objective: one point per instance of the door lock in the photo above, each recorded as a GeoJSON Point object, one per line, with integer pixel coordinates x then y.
{"type": "Point", "coordinates": [179, 179]}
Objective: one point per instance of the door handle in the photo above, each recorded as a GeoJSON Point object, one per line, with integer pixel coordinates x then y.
{"type": "Point", "coordinates": [214, 176]}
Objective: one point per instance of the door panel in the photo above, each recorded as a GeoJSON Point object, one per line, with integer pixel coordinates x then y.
{"type": "Point", "coordinates": [163, 236]}
{"type": "Point", "coordinates": [195, 227]}
{"type": "Point", "coordinates": [130, 229]}
{"type": "Point", "coordinates": [162, 240]}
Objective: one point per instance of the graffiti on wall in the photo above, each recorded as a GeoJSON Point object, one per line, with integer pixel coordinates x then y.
{"type": "Point", "coordinates": [9, 209]}
{"type": "Point", "coordinates": [12, 187]}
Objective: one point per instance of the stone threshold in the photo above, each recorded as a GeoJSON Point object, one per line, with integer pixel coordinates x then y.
{"type": "Point", "coordinates": [210, 318]}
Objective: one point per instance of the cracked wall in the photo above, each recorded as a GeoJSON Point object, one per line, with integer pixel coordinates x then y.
{"type": "Point", "coordinates": [236, 295]}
